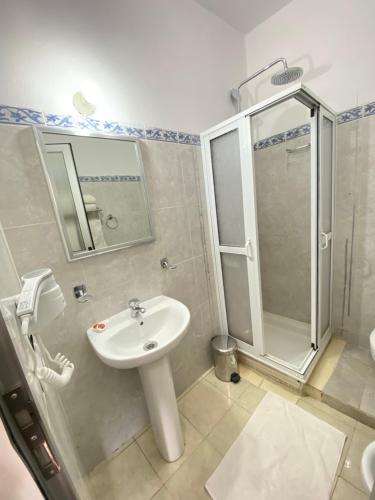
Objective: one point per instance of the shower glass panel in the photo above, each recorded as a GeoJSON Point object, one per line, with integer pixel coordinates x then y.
{"type": "Point", "coordinates": [226, 165]}
{"type": "Point", "coordinates": [237, 299]}
{"type": "Point", "coordinates": [232, 231]}
{"type": "Point", "coordinates": [326, 183]}
{"type": "Point", "coordinates": [283, 176]}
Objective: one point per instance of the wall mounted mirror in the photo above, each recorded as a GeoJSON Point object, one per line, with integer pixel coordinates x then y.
{"type": "Point", "coordinates": [98, 190]}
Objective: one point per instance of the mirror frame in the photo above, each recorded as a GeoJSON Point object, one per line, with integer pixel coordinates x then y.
{"type": "Point", "coordinates": [72, 256]}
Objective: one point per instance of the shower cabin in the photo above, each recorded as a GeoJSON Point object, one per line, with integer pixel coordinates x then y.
{"type": "Point", "coordinates": [269, 179]}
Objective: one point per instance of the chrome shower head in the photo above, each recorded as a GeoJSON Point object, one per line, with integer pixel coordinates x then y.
{"type": "Point", "coordinates": [287, 75]}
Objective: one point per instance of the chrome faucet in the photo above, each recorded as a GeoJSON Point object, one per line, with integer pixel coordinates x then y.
{"type": "Point", "coordinates": [136, 309]}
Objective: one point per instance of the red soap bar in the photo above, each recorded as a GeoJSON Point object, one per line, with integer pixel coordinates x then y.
{"type": "Point", "coordinates": [99, 326]}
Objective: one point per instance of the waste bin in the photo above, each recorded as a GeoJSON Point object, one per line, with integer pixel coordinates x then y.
{"type": "Point", "coordinates": [225, 358]}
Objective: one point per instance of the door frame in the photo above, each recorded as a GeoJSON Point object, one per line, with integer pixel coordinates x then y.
{"type": "Point", "coordinates": [250, 248]}
{"type": "Point", "coordinates": [13, 380]}
{"type": "Point", "coordinates": [325, 113]}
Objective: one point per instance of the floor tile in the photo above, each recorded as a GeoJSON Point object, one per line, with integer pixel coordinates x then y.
{"type": "Point", "coordinates": [351, 470]}
{"type": "Point", "coordinates": [321, 406]}
{"type": "Point", "coordinates": [250, 375]}
{"type": "Point", "coordinates": [333, 417]}
{"type": "Point", "coordinates": [228, 428]}
{"type": "Point", "coordinates": [348, 381]}
{"type": "Point", "coordinates": [280, 390]}
{"type": "Point", "coordinates": [204, 406]}
{"type": "Point", "coordinates": [162, 494]}
{"type": "Point", "coordinates": [367, 404]}
{"type": "Point", "coordinates": [251, 398]}
{"type": "Point", "coordinates": [189, 481]}
{"type": "Point", "coordinates": [345, 491]}
{"type": "Point", "coordinates": [327, 363]}
{"type": "Point", "coordinates": [128, 475]}
{"type": "Point", "coordinates": [165, 469]}
{"type": "Point", "coordinates": [230, 389]}
{"type": "Point", "coordinates": [360, 353]}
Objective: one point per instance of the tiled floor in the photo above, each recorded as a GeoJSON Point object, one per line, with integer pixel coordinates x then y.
{"type": "Point", "coordinates": [213, 414]}
{"type": "Point", "coordinates": [345, 378]}
{"type": "Point", "coordinates": [327, 364]}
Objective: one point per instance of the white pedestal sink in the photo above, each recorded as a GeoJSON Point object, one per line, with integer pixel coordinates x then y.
{"type": "Point", "coordinates": [145, 343]}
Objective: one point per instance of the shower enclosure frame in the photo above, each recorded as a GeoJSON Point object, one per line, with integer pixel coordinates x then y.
{"type": "Point", "coordinates": [242, 123]}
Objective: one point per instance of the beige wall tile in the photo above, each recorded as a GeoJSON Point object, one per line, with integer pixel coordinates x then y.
{"type": "Point", "coordinates": [24, 198]}
{"type": "Point", "coordinates": [163, 173]}
{"type": "Point", "coordinates": [105, 407]}
{"type": "Point", "coordinates": [283, 204]}
{"type": "Point", "coordinates": [355, 230]}
{"type": "Point", "coordinates": [175, 233]}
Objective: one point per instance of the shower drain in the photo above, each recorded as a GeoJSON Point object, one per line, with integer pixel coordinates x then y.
{"type": "Point", "coordinates": [150, 345]}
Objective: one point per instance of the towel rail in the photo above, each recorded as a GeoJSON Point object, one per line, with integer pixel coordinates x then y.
{"type": "Point", "coordinates": [299, 148]}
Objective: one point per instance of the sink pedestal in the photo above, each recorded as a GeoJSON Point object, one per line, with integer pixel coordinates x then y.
{"type": "Point", "coordinates": [161, 402]}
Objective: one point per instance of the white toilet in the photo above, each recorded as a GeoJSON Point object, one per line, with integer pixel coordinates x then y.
{"type": "Point", "coordinates": [372, 344]}
{"type": "Point", "coordinates": [368, 456]}
{"type": "Point", "coordinates": [368, 466]}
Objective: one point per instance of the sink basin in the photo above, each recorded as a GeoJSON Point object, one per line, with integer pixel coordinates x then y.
{"type": "Point", "coordinates": [144, 343]}
{"type": "Point", "coordinates": [129, 343]}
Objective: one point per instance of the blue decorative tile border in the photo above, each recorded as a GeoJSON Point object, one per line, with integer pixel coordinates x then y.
{"type": "Point", "coordinates": [369, 109]}
{"type": "Point", "coordinates": [350, 115]}
{"type": "Point", "coordinates": [109, 178]}
{"type": "Point", "coordinates": [344, 117]}
{"type": "Point", "coordinates": [300, 131]}
{"type": "Point", "coordinates": [270, 141]}
{"type": "Point", "coordinates": [26, 116]}
{"type": "Point", "coordinates": [293, 133]}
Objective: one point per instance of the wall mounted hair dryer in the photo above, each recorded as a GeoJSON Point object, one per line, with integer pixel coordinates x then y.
{"type": "Point", "coordinates": [40, 302]}
{"type": "Point", "coordinates": [41, 299]}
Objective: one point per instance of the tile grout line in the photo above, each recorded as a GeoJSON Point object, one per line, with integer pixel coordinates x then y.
{"type": "Point", "coordinates": [23, 226]}
{"type": "Point", "coordinates": [152, 467]}
{"type": "Point", "coordinates": [352, 485]}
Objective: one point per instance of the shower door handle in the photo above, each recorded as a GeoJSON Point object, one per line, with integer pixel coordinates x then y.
{"type": "Point", "coordinates": [249, 250]}
{"type": "Point", "coordinates": [326, 237]}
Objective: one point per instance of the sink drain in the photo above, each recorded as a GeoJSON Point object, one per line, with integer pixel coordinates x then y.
{"type": "Point", "coordinates": [150, 345]}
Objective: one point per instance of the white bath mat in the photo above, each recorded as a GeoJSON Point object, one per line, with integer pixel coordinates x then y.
{"type": "Point", "coordinates": [282, 453]}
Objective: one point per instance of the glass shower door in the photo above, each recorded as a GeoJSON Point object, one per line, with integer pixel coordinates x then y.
{"type": "Point", "coordinates": [326, 162]}
{"type": "Point", "coordinates": [229, 182]}
{"type": "Point", "coordinates": [285, 187]}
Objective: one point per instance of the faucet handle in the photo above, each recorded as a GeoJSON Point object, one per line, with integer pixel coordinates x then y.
{"type": "Point", "coordinates": [134, 302]}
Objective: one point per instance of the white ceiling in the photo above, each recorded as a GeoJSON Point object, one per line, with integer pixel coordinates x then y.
{"type": "Point", "coordinates": [243, 15]}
